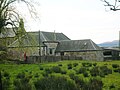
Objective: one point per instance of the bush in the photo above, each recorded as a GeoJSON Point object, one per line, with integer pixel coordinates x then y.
{"type": "Point", "coordinates": [21, 75]}
{"type": "Point", "coordinates": [59, 64]}
{"type": "Point", "coordinates": [5, 84]}
{"type": "Point", "coordinates": [95, 71]}
{"type": "Point", "coordinates": [22, 84]}
{"type": "Point", "coordinates": [75, 64]}
{"type": "Point", "coordinates": [63, 72]}
{"type": "Point", "coordinates": [95, 84]}
{"type": "Point", "coordinates": [55, 83]}
{"type": "Point", "coordinates": [45, 74]}
{"type": "Point", "coordinates": [115, 65]}
{"type": "Point", "coordinates": [83, 64]}
{"type": "Point", "coordinates": [87, 64]}
{"type": "Point", "coordinates": [112, 86]}
{"type": "Point", "coordinates": [102, 74]}
{"type": "Point", "coordinates": [82, 70]}
{"type": "Point", "coordinates": [56, 69]}
{"type": "Point", "coordinates": [94, 64]}
{"type": "Point", "coordinates": [69, 66]}
{"type": "Point", "coordinates": [117, 70]}
{"type": "Point", "coordinates": [48, 71]}
{"type": "Point", "coordinates": [72, 76]}
{"type": "Point", "coordinates": [105, 70]}
{"type": "Point", "coordinates": [85, 74]}
{"type": "Point", "coordinates": [6, 74]}
{"type": "Point", "coordinates": [79, 82]}
{"type": "Point", "coordinates": [36, 75]}
{"type": "Point", "coordinates": [41, 68]}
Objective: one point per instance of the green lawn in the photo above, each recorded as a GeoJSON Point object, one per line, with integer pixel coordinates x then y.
{"type": "Point", "coordinates": [69, 69]}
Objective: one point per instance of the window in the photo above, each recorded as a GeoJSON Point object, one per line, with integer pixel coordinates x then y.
{"type": "Point", "coordinates": [51, 51]}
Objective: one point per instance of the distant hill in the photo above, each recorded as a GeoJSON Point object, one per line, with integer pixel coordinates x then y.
{"type": "Point", "coordinates": [114, 43]}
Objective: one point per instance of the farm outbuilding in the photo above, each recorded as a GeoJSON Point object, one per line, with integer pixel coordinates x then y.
{"type": "Point", "coordinates": [37, 43]}
{"type": "Point", "coordinates": [111, 54]}
{"type": "Point", "coordinates": [86, 49]}
{"type": "Point", "coordinates": [55, 44]}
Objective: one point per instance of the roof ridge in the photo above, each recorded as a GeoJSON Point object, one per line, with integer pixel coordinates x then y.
{"type": "Point", "coordinates": [43, 31]}
{"type": "Point", "coordinates": [77, 40]}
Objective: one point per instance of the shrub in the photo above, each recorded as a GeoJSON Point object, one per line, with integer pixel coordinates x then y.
{"type": "Point", "coordinates": [82, 70]}
{"type": "Point", "coordinates": [48, 71]}
{"type": "Point", "coordinates": [95, 84]}
{"type": "Point", "coordinates": [5, 84]}
{"type": "Point", "coordinates": [95, 71]}
{"type": "Point", "coordinates": [55, 83]}
{"type": "Point", "coordinates": [21, 75]}
{"type": "Point", "coordinates": [75, 64]}
{"type": "Point", "coordinates": [69, 66]}
{"type": "Point", "coordinates": [115, 65]}
{"type": "Point", "coordinates": [117, 70]}
{"type": "Point", "coordinates": [6, 74]}
{"type": "Point", "coordinates": [85, 74]}
{"type": "Point", "coordinates": [83, 64]}
{"type": "Point", "coordinates": [22, 84]}
{"type": "Point", "coordinates": [102, 74]}
{"type": "Point", "coordinates": [41, 68]}
{"type": "Point", "coordinates": [94, 64]}
{"type": "Point", "coordinates": [105, 70]}
{"type": "Point", "coordinates": [79, 82]}
{"type": "Point", "coordinates": [56, 69]}
{"type": "Point", "coordinates": [63, 72]}
{"type": "Point", "coordinates": [72, 76]}
{"type": "Point", "coordinates": [36, 75]}
{"type": "Point", "coordinates": [59, 64]}
{"type": "Point", "coordinates": [45, 74]}
{"type": "Point", "coordinates": [87, 64]}
{"type": "Point", "coordinates": [112, 86]}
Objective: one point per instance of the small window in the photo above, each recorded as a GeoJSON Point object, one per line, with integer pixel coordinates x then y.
{"type": "Point", "coordinates": [51, 51]}
{"type": "Point", "coordinates": [107, 53]}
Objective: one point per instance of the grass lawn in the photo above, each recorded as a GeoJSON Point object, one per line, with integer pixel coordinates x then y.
{"type": "Point", "coordinates": [70, 69]}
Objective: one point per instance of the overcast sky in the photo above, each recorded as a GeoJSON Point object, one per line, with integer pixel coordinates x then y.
{"type": "Point", "coordinates": [78, 19]}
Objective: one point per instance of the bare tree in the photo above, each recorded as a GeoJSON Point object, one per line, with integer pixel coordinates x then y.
{"type": "Point", "coordinates": [113, 4]}
{"type": "Point", "coordinates": [8, 15]}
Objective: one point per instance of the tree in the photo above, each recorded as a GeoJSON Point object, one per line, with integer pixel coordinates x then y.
{"type": "Point", "coordinates": [8, 15]}
{"type": "Point", "coordinates": [113, 4]}
{"type": "Point", "coordinates": [21, 32]}
{"type": "Point", "coordinates": [10, 18]}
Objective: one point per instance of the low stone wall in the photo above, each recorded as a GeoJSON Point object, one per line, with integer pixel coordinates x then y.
{"type": "Point", "coordinates": [71, 58]}
{"type": "Point", "coordinates": [111, 58]}
{"type": "Point", "coordinates": [41, 59]}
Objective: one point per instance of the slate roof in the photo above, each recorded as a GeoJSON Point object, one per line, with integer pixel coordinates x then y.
{"type": "Point", "coordinates": [49, 36]}
{"type": "Point", "coordinates": [77, 45]}
{"type": "Point", "coordinates": [32, 38]}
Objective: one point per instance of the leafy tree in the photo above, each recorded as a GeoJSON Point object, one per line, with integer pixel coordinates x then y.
{"type": "Point", "coordinates": [20, 32]}
{"type": "Point", "coordinates": [113, 4]}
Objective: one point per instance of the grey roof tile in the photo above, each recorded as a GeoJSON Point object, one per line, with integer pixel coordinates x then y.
{"type": "Point", "coordinates": [77, 45]}
{"type": "Point", "coordinates": [32, 38]}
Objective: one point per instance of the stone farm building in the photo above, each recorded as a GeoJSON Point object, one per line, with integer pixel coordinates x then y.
{"type": "Point", "coordinates": [55, 44]}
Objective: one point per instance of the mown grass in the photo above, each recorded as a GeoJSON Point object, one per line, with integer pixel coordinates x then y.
{"type": "Point", "coordinates": [68, 69]}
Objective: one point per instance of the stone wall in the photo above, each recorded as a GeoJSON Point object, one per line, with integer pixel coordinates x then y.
{"type": "Point", "coordinates": [42, 59]}
{"type": "Point", "coordinates": [88, 55]}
